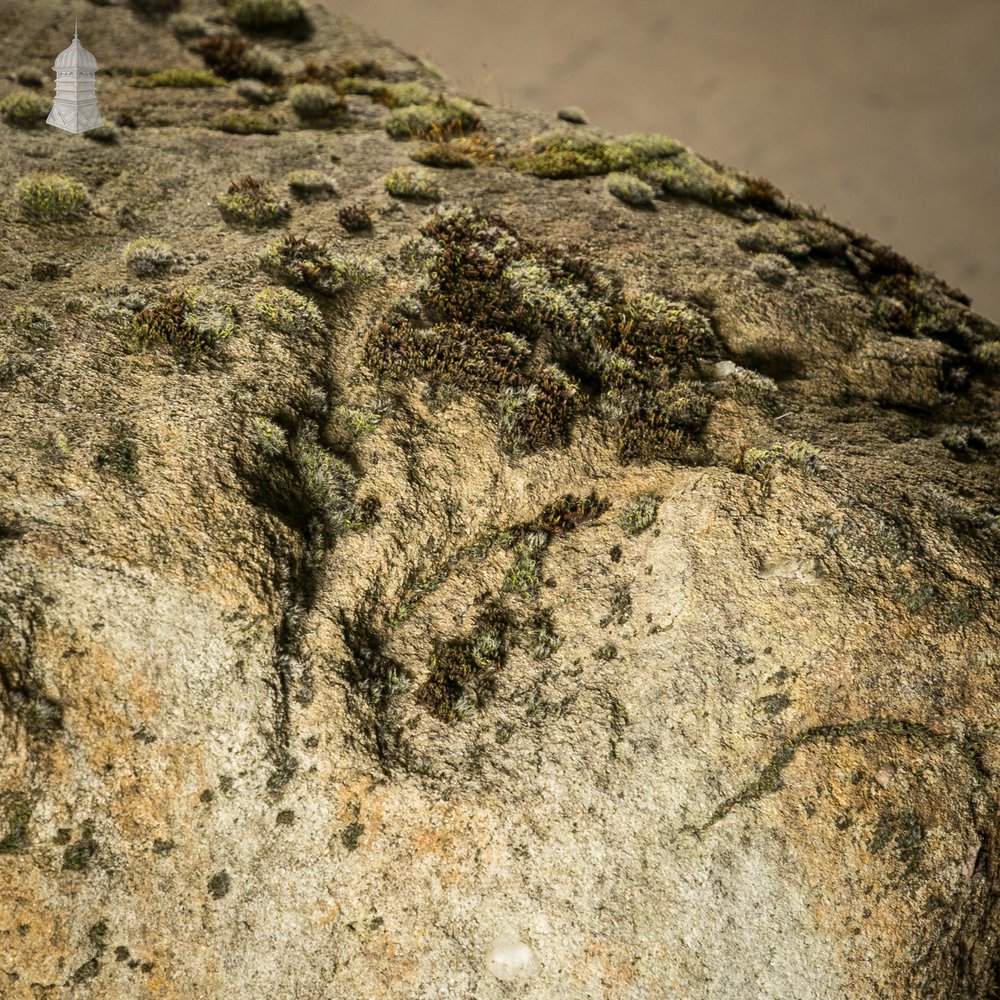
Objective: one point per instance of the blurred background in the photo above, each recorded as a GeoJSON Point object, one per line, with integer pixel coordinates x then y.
{"type": "Point", "coordinates": [886, 113]}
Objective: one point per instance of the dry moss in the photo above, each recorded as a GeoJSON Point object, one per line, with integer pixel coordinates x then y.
{"type": "Point", "coordinates": [23, 109]}
{"type": "Point", "coordinates": [180, 78]}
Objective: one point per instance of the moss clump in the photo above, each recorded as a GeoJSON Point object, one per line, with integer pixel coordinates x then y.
{"type": "Point", "coordinates": [355, 218]}
{"type": "Point", "coordinates": [287, 311]}
{"type": "Point", "coordinates": [251, 202]}
{"type": "Point", "coordinates": [77, 857]}
{"type": "Point", "coordinates": [106, 134]}
{"type": "Point", "coordinates": [269, 15]}
{"type": "Point", "coordinates": [444, 117]}
{"type": "Point", "coordinates": [257, 93]}
{"type": "Point", "coordinates": [631, 190]}
{"type": "Point", "coordinates": [148, 258]}
{"type": "Point", "coordinates": [52, 196]}
{"type": "Point", "coordinates": [442, 154]}
{"type": "Point", "coordinates": [760, 462]}
{"type": "Point", "coordinates": [119, 455]}
{"type": "Point", "coordinates": [307, 483]}
{"type": "Point", "coordinates": [185, 26]}
{"type": "Point", "coordinates": [192, 323]}
{"type": "Point", "coordinates": [491, 295]}
{"type": "Point", "coordinates": [155, 6]}
{"type": "Point", "coordinates": [244, 123]}
{"type": "Point", "coordinates": [316, 103]}
{"type": "Point", "coordinates": [413, 183]}
{"type": "Point", "coordinates": [987, 354]}
{"type": "Point", "coordinates": [525, 574]}
{"type": "Point", "coordinates": [23, 109]}
{"type": "Point", "coordinates": [234, 58]}
{"type": "Point", "coordinates": [463, 672]}
{"type": "Point", "coordinates": [639, 514]}
{"type": "Point", "coordinates": [28, 76]}
{"type": "Point", "coordinates": [16, 813]}
{"type": "Point", "coordinates": [219, 885]}
{"type": "Point", "coordinates": [311, 185]}
{"type": "Point", "coordinates": [180, 78]}
{"type": "Point", "coordinates": [539, 413]}
{"type": "Point", "coordinates": [31, 320]}
{"type": "Point", "coordinates": [663, 163]}
{"type": "Point", "coordinates": [308, 264]}
{"type": "Point", "coordinates": [392, 95]}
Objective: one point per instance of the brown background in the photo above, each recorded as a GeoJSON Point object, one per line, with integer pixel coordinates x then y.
{"type": "Point", "coordinates": [884, 112]}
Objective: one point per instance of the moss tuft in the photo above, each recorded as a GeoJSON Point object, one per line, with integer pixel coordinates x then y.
{"type": "Point", "coordinates": [251, 202]}
{"type": "Point", "coordinates": [23, 109]}
{"type": "Point", "coordinates": [311, 185]}
{"type": "Point", "coordinates": [463, 672]}
{"type": "Point", "coordinates": [287, 311]}
{"type": "Point", "coordinates": [257, 93]}
{"type": "Point", "coordinates": [355, 218]}
{"type": "Point", "coordinates": [639, 514]}
{"type": "Point", "coordinates": [190, 322]}
{"type": "Point", "coordinates": [148, 258]}
{"type": "Point", "coordinates": [180, 78]}
{"type": "Point", "coordinates": [269, 15]}
{"type": "Point", "coordinates": [316, 103]}
{"type": "Point", "coordinates": [631, 190]}
{"type": "Point", "coordinates": [52, 196]}
{"type": "Point", "coordinates": [442, 154]}
{"type": "Point", "coordinates": [244, 123]}
{"type": "Point", "coordinates": [234, 58]}
{"type": "Point", "coordinates": [31, 320]}
{"type": "Point", "coordinates": [412, 183]}
{"type": "Point", "coordinates": [308, 264]}
{"type": "Point", "coordinates": [16, 814]}
{"type": "Point", "coordinates": [444, 117]}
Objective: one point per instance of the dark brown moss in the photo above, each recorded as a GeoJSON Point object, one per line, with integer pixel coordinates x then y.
{"type": "Point", "coordinates": [234, 58]}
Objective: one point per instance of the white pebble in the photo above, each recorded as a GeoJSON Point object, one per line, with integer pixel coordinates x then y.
{"type": "Point", "coordinates": [509, 958]}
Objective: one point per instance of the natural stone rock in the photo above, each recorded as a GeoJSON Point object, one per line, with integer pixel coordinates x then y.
{"type": "Point", "coordinates": [532, 600]}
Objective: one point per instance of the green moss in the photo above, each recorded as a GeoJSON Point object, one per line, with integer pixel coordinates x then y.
{"type": "Point", "coordinates": [250, 202]}
{"type": "Point", "coordinates": [180, 78]}
{"type": "Point", "coordinates": [185, 26]}
{"type": "Point", "coordinates": [148, 258]}
{"type": "Point", "coordinates": [525, 574]}
{"type": "Point", "coordinates": [52, 196]}
{"type": "Point", "coordinates": [987, 354]}
{"type": "Point", "coordinates": [316, 103]}
{"type": "Point", "coordinates": [119, 455]}
{"type": "Point", "coordinates": [441, 119]}
{"type": "Point", "coordinates": [287, 311]}
{"type": "Point", "coordinates": [631, 190]}
{"type": "Point", "coordinates": [412, 183]}
{"type": "Point", "coordinates": [269, 15]}
{"type": "Point", "coordinates": [688, 175]}
{"type": "Point", "coordinates": [796, 454]}
{"type": "Point", "coordinates": [392, 95]}
{"type": "Point", "coordinates": [639, 514]}
{"type": "Point", "coordinates": [16, 814]}
{"type": "Point", "coordinates": [491, 295]}
{"type": "Point", "coordinates": [538, 635]}
{"type": "Point", "coordinates": [443, 155]}
{"type": "Point", "coordinates": [191, 322]}
{"type": "Point", "coordinates": [244, 123]}
{"type": "Point", "coordinates": [32, 321]}
{"type": "Point", "coordinates": [23, 109]}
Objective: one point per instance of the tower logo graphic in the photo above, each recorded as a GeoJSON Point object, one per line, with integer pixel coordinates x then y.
{"type": "Point", "coordinates": [75, 107]}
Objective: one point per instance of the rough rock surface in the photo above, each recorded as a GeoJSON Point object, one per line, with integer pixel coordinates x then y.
{"type": "Point", "coordinates": [348, 650]}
